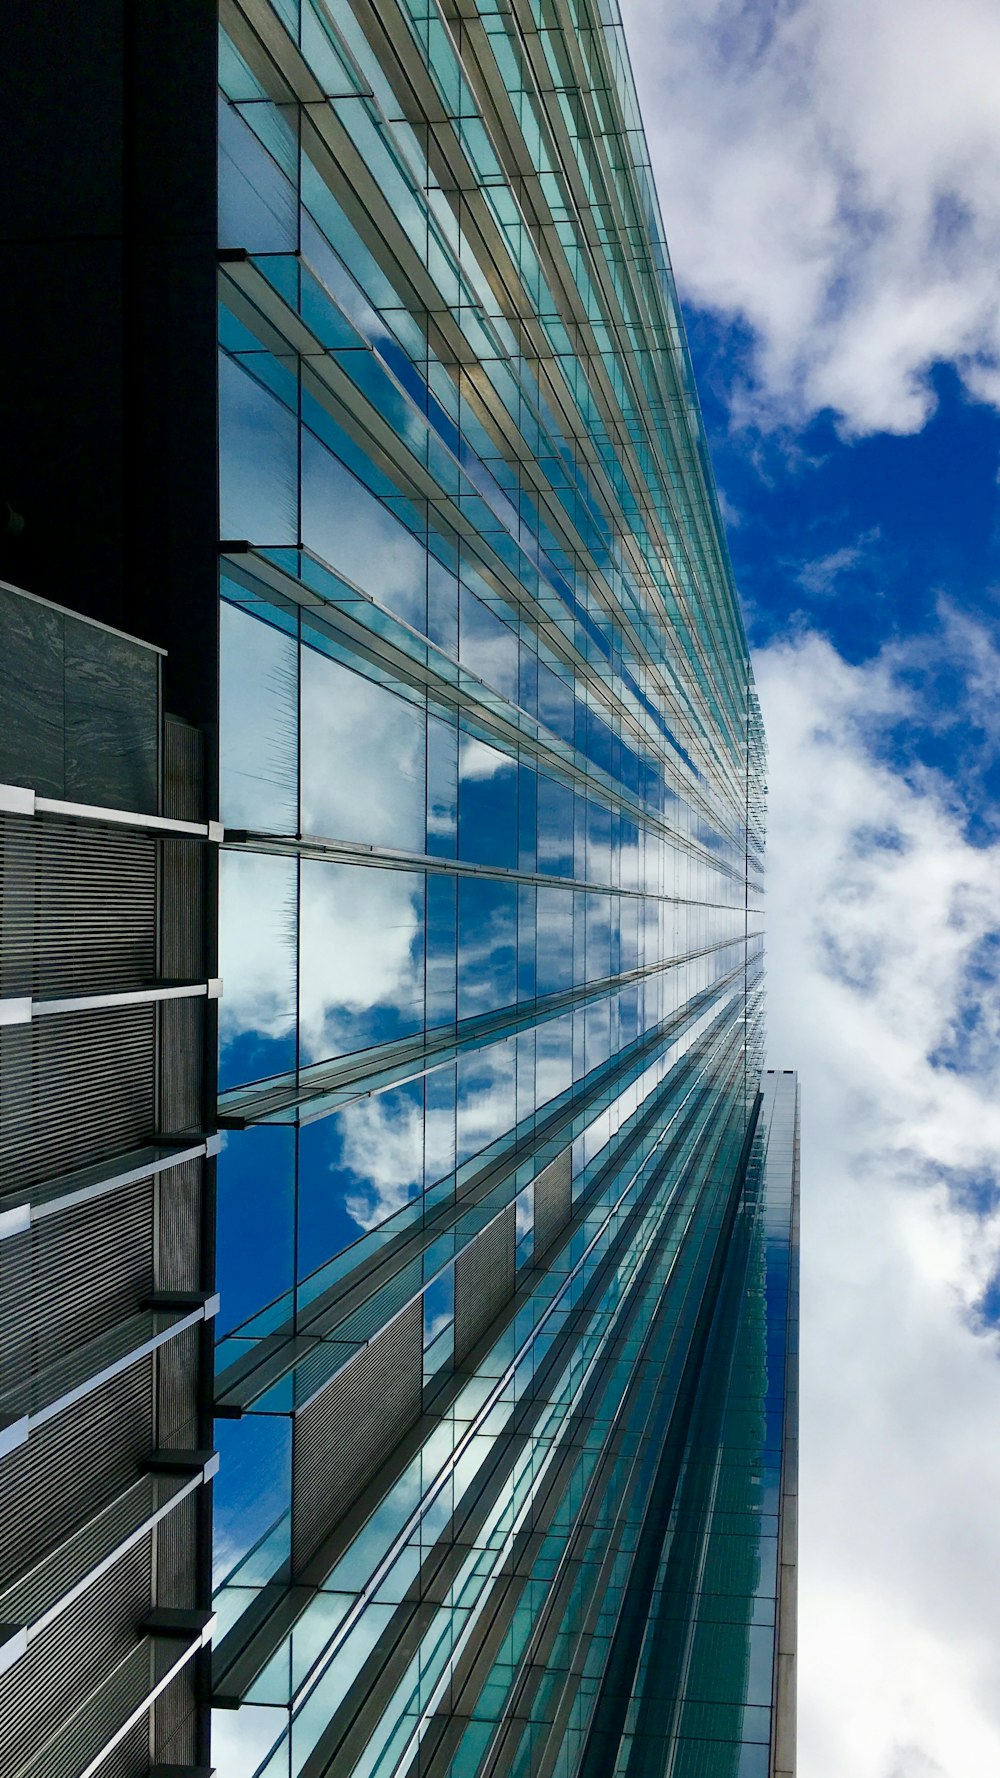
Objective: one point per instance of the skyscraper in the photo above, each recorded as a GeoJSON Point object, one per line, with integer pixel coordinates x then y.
{"type": "Point", "coordinates": [503, 1217]}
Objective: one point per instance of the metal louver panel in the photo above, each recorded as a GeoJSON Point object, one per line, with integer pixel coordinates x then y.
{"type": "Point", "coordinates": [77, 907]}
{"type": "Point", "coordinates": [101, 908]}
{"type": "Point", "coordinates": [74, 1088]}
{"type": "Point", "coordinates": [553, 1201]}
{"type": "Point", "coordinates": [179, 1227]}
{"type": "Point", "coordinates": [181, 909]}
{"type": "Point", "coordinates": [85, 1743]}
{"type": "Point", "coordinates": [72, 1656]}
{"type": "Point", "coordinates": [176, 1555]}
{"type": "Point", "coordinates": [343, 1436]}
{"type": "Point", "coordinates": [72, 1465]}
{"type": "Point", "coordinates": [484, 1281]}
{"type": "Point", "coordinates": [76, 1274]}
{"type": "Point", "coordinates": [130, 1758]}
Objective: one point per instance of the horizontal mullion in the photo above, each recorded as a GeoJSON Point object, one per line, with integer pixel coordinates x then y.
{"type": "Point", "coordinates": [358, 1073]}
{"type": "Point", "coordinates": [361, 852]}
{"type": "Point", "coordinates": [16, 799]}
{"type": "Point", "coordinates": [554, 1131]}
{"type": "Point", "coordinates": [23, 1009]}
{"type": "Point", "coordinates": [33, 1205]}
{"type": "Point", "coordinates": [452, 686]}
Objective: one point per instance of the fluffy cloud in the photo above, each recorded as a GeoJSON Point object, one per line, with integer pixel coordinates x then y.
{"type": "Point", "coordinates": [360, 949]}
{"type": "Point", "coordinates": [394, 1147]}
{"type": "Point", "coordinates": [830, 173]}
{"type": "Point", "coordinates": [881, 912]}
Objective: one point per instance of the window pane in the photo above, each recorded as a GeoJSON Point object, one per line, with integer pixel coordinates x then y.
{"type": "Point", "coordinates": [362, 758]}
{"type": "Point", "coordinates": [487, 949]}
{"type": "Point", "coordinates": [487, 804]}
{"type": "Point", "coordinates": [258, 460]}
{"type": "Point", "coordinates": [257, 202]}
{"type": "Point", "coordinates": [345, 523]}
{"type": "Point", "coordinates": [259, 720]}
{"type": "Point", "coordinates": [361, 958]}
{"type": "Point", "coordinates": [256, 1192]}
{"type": "Point", "coordinates": [257, 897]}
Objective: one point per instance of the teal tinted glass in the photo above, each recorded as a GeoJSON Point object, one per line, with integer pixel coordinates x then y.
{"type": "Point", "coordinates": [492, 776]}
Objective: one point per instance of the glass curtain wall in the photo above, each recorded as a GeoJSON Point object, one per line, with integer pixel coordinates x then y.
{"type": "Point", "coordinates": [492, 782]}
{"type": "Point", "coordinates": [707, 1687]}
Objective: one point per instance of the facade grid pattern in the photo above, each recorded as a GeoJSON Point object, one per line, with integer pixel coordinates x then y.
{"type": "Point", "coordinates": [490, 902]}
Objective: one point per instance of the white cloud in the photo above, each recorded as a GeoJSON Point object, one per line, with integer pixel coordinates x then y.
{"type": "Point", "coordinates": [821, 575]}
{"type": "Point", "coordinates": [477, 760]}
{"type": "Point", "coordinates": [362, 758]}
{"type": "Point", "coordinates": [360, 934]}
{"type": "Point", "coordinates": [879, 907]}
{"type": "Point", "coordinates": [359, 948]}
{"type": "Point", "coordinates": [393, 1147]}
{"type": "Point", "coordinates": [830, 173]}
{"type": "Point", "coordinates": [258, 910]}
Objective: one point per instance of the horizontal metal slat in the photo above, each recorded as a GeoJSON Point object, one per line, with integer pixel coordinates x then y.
{"type": "Point", "coordinates": [36, 1203]}
{"type": "Point", "coordinates": [346, 1432]}
{"type": "Point", "coordinates": [79, 1649]}
{"type": "Point", "coordinates": [75, 1090]}
{"type": "Point", "coordinates": [24, 801]}
{"type": "Point", "coordinates": [30, 1401]}
{"type": "Point", "coordinates": [72, 1465]}
{"type": "Point", "coordinates": [73, 1276]}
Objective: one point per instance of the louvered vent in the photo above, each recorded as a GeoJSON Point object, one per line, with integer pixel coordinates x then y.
{"type": "Point", "coordinates": [181, 909]}
{"type": "Point", "coordinates": [484, 1281]}
{"type": "Point", "coordinates": [77, 907]}
{"type": "Point", "coordinates": [553, 1201]}
{"type": "Point", "coordinates": [72, 1465]}
{"type": "Point", "coordinates": [130, 1758]}
{"type": "Point", "coordinates": [74, 1089]}
{"type": "Point", "coordinates": [75, 1275]}
{"type": "Point", "coordinates": [72, 1656]}
{"type": "Point", "coordinates": [176, 1555]}
{"type": "Point", "coordinates": [183, 768]}
{"type": "Point", "coordinates": [343, 1436]}
{"type": "Point", "coordinates": [86, 1736]}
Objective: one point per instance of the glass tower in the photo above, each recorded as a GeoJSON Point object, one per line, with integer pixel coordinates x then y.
{"type": "Point", "coordinates": [393, 1210]}
{"type": "Point", "coordinates": [499, 1379]}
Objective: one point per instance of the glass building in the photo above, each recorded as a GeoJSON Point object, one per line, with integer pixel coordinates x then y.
{"type": "Point", "coordinates": [499, 1403]}
{"type": "Point", "coordinates": [352, 381]}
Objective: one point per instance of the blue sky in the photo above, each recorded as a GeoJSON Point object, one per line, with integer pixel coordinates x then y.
{"type": "Point", "coordinates": [871, 542]}
{"type": "Point", "coordinates": [829, 174]}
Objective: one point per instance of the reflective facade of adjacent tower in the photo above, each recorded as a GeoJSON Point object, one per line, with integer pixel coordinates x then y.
{"type": "Point", "coordinates": [490, 1248]}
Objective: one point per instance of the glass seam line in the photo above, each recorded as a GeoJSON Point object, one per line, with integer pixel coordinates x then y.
{"type": "Point", "coordinates": [453, 687]}
{"type": "Point", "coordinates": [420, 1056]}
{"type": "Point", "coordinates": [566, 1341]}
{"type": "Point", "coordinates": [449, 1218]}
{"type": "Point", "coordinates": [601, 1358]}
